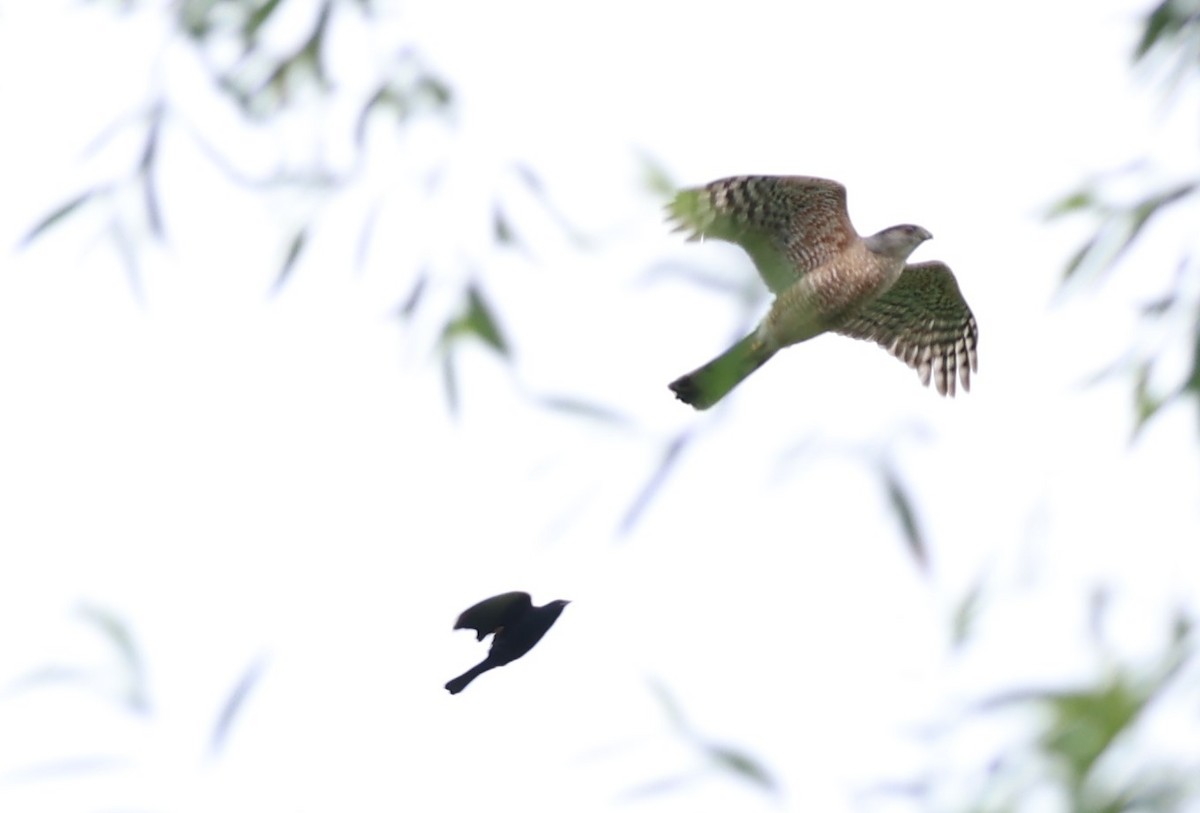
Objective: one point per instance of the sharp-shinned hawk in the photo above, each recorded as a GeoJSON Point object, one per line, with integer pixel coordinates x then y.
{"type": "Point", "coordinates": [826, 277]}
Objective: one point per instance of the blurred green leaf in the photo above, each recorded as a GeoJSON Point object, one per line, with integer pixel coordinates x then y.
{"type": "Point", "coordinates": [584, 409]}
{"type": "Point", "coordinates": [49, 675]}
{"type": "Point", "coordinates": [1166, 20]}
{"type": "Point", "coordinates": [1081, 199]}
{"type": "Point", "coordinates": [450, 383]}
{"type": "Point", "coordinates": [477, 320]}
{"type": "Point", "coordinates": [195, 17]}
{"type": "Point", "coordinates": [532, 181]}
{"type": "Point", "coordinates": [146, 169]}
{"type": "Point", "coordinates": [902, 506]}
{"type": "Point", "coordinates": [234, 703]}
{"type": "Point", "coordinates": [1145, 404]}
{"type": "Point", "coordinates": [655, 178]}
{"type": "Point", "coordinates": [743, 766]}
{"type": "Point", "coordinates": [1077, 259]}
{"type": "Point", "coordinates": [257, 19]}
{"type": "Point", "coordinates": [1120, 226]}
{"type": "Point", "coordinates": [502, 232]}
{"type": "Point", "coordinates": [670, 706]}
{"type": "Point", "coordinates": [433, 89]}
{"type": "Point", "coordinates": [658, 787]}
{"type": "Point", "coordinates": [132, 668]}
{"type": "Point", "coordinates": [722, 757]}
{"type": "Point", "coordinates": [416, 293]}
{"type": "Point", "coordinates": [666, 463]}
{"type": "Point", "coordinates": [966, 613]}
{"type": "Point", "coordinates": [1148, 208]}
{"type": "Point", "coordinates": [295, 247]}
{"type": "Point", "coordinates": [1085, 723]}
{"type": "Point", "coordinates": [57, 216]}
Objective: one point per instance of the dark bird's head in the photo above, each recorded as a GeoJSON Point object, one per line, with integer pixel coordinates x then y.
{"type": "Point", "coordinates": [552, 610]}
{"type": "Point", "coordinates": [538, 620]}
{"type": "Point", "coordinates": [898, 241]}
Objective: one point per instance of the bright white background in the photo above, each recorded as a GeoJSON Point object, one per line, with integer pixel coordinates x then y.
{"type": "Point", "coordinates": [239, 477]}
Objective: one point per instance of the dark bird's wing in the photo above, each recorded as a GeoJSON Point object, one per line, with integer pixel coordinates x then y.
{"type": "Point", "coordinates": [924, 321]}
{"type": "Point", "coordinates": [788, 225]}
{"type": "Point", "coordinates": [493, 614]}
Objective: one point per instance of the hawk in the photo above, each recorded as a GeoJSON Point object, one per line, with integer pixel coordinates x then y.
{"type": "Point", "coordinates": [515, 626]}
{"type": "Point", "coordinates": [826, 277]}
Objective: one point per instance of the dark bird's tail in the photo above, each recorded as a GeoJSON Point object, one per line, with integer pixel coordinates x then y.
{"type": "Point", "coordinates": [459, 683]}
{"type": "Point", "coordinates": [705, 386]}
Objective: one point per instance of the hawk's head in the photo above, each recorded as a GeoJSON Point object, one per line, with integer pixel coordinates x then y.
{"type": "Point", "coordinates": [898, 241]}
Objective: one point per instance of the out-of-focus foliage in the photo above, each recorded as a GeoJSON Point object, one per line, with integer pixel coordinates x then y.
{"type": "Point", "coordinates": [268, 80]}
{"type": "Point", "coordinates": [123, 679]}
{"type": "Point", "coordinates": [713, 757]}
{"type": "Point", "coordinates": [120, 680]}
{"type": "Point", "coordinates": [1092, 748]}
{"type": "Point", "coordinates": [1170, 41]}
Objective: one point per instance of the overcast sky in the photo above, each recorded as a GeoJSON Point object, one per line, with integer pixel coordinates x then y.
{"type": "Point", "coordinates": [251, 479]}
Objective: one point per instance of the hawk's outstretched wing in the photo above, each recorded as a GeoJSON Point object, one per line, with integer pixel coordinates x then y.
{"type": "Point", "coordinates": [788, 225]}
{"type": "Point", "coordinates": [924, 321]}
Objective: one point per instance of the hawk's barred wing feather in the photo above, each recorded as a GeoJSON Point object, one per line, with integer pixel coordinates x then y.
{"type": "Point", "coordinates": [788, 225]}
{"type": "Point", "coordinates": [924, 321]}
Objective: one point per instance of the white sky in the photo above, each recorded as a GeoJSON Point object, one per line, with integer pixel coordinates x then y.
{"type": "Point", "coordinates": [236, 475]}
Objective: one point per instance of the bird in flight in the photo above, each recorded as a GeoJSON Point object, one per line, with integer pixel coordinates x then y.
{"type": "Point", "coordinates": [515, 626]}
{"type": "Point", "coordinates": [826, 277]}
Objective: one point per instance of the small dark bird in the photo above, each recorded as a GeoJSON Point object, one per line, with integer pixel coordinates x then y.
{"type": "Point", "coordinates": [515, 625]}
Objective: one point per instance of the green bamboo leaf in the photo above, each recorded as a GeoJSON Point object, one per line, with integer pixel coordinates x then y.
{"type": "Point", "coordinates": [435, 90]}
{"type": "Point", "coordinates": [1163, 20]}
{"type": "Point", "coordinates": [257, 19]}
{"type": "Point", "coordinates": [1141, 214]}
{"type": "Point", "coordinates": [234, 704]}
{"type": "Point", "coordinates": [902, 506]}
{"type": "Point", "coordinates": [584, 409]}
{"type": "Point", "coordinates": [670, 706]}
{"type": "Point", "coordinates": [133, 670]}
{"type": "Point", "coordinates": [1145, 403]}
{"type": "Point", "coordinates": [295, 247]}
{"type": "Point", "coordinates": [966, 613]}
{"type": "Point", "coordinates": [655, 178]}
{"type": "Point", "coordinates": [666, 464]}
{"type": "Point", "coordinates": [1084, 724]}
{"type": "Point", "coordinates": [742, 765]}
{"type": "Point", "coordinates": [408, 308]}
{"type": "Point", "coordinates": [56, 216]}
{"type": "Point", "coordinates": [1074, 202]}
{"type": "Point", "coordinates": [450, 382]}
{"type": "Point", "coordinates": [502, 231]}
{"type": "Point", "coordinates": [480, 321]}
{"type": "Point", "coordinates": [1078, 258]}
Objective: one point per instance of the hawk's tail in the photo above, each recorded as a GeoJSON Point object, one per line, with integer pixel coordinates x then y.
{"type": "Point", "coordinates": [705, 386]}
